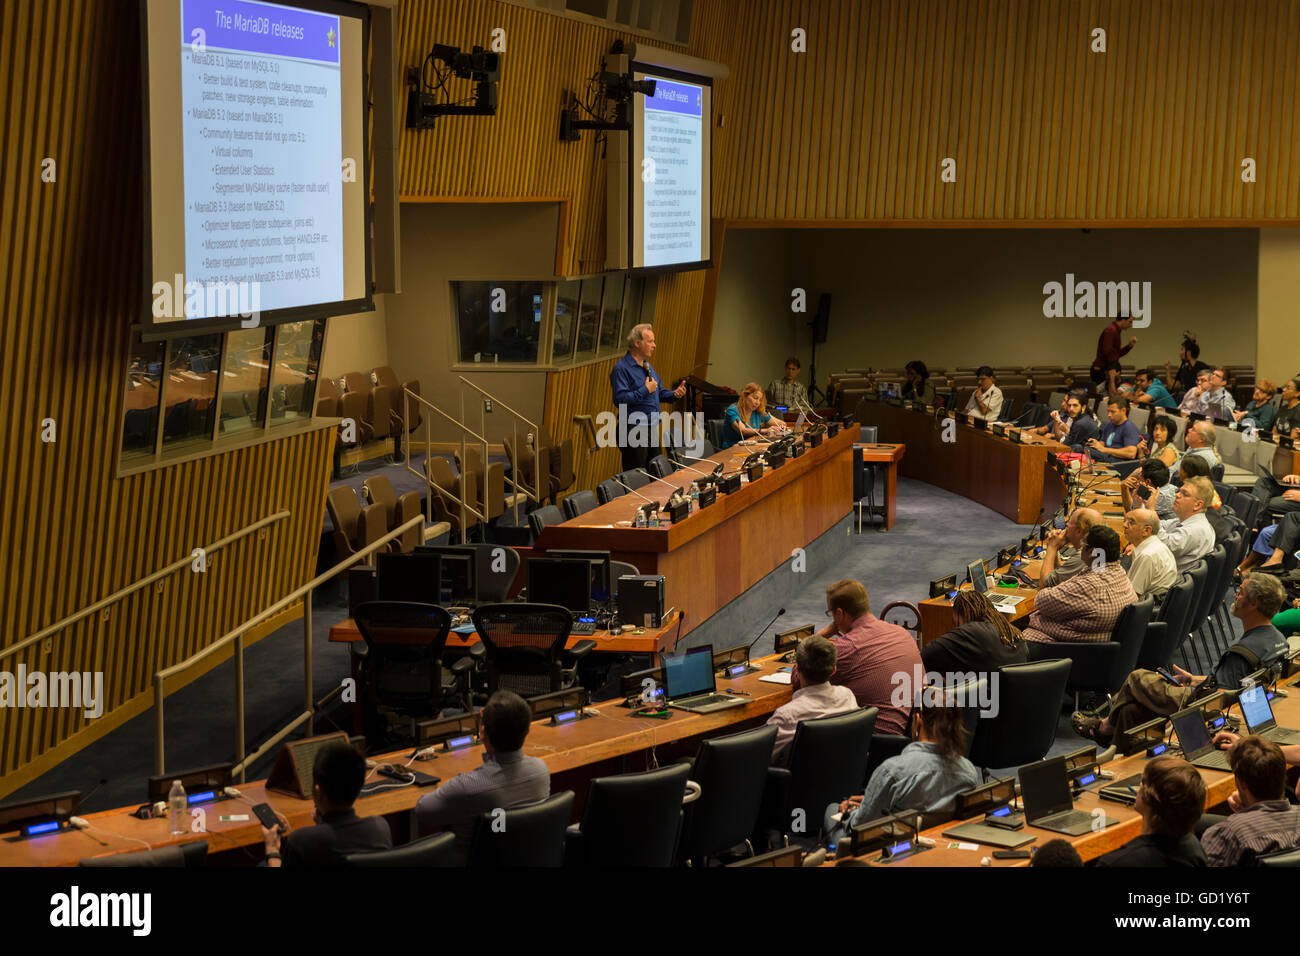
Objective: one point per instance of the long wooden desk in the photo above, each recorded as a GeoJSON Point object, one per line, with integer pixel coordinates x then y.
{"type": "Point", "coordinates": [611, 742]}
{"type": "Point", "coordinates": [1218, 786]}
{"type": "Point", "coordinates": [978, 465]}
{"type": "Point", "coordinates": [719, 552]}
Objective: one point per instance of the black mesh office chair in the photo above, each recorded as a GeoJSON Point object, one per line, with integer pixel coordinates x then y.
{"type": "Point", "coordinates": [629, 820]}
{"type": "Point", "coordinates": [731, 771]}
{"type": "Point", "coordinates": [1168, 626]}
{"type": "Point", "coordinates": [828, 762]}
{"type": "Point", "coordinates": [608, 490]}
{"type": "Point", "coordinates": [525, 836]}
{"type": "Point", "coordinates": [578, 503]}
{"type": "Point", "coordinates": [437, 850]}
{"type": "Point", "coordinates": [1029, 709]}
{"type": "Point", "coordinates": [401, 662]}
{"type": "Point", "coordinates": [543, 516]}
{"type": "Point", "coordinates": [186, 855]}
{"type": "Point", "coordinates": [524, 646]}
{"type": "Point", "coordinates": [1101, 667]}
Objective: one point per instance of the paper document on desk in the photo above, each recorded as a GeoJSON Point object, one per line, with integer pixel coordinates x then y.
{"type": "Point", "coordinates": [780, 677]}
{"type": "Point", "coordinates": [1004, 609]}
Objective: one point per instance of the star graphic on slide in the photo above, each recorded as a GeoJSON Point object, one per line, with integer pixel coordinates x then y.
{"type": "Point", "coordinates": [331, 38]}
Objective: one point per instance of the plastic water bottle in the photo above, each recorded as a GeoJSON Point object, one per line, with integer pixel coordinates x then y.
{"type": "Point", "coordinates": [176, 807]}
{"type": "Point", "coordinates": [695, 495]}
{"type": "Point", "coordinates": [639, 521]}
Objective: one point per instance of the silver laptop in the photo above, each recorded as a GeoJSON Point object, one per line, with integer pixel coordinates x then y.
{"type": "Point", "coordinates": [1045, 793]}
{"type": "Point", "coordinates": [1258, 714]}
{"type": "Point", "coordinates": [689, 683]}
{"type": "Point", "coordinates": [980, 581]}
{"type": "Point", "coordinates": [1194, 739]}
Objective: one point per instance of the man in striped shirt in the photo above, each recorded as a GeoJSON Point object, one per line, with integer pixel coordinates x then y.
{"type": "Point", "coordinates": [1263, 821]}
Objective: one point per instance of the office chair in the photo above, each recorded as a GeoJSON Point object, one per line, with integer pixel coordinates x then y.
{"type": "Point", "coordinates": [608, 490]}
{"type": "Point", "coordinates": [1029, 710]}
{"type": "Point", "coordinates": [187, 855]}
{"type": "Point", "coordinates": [828, 761]}
{"type": "Point", "coordinates": [524, 647]}
{"type": "Point", "coordinates": [731, 771]}
{"type": "Point", "coordinates": [660, 466]}
{"type": "Point", "coordinates": [543, 516]}
{"type": "Point", "coordinates": [532, 835]}
{"type": "Point", "coordinates": [1101, 667]}
{"type": "Point", "coordinates": [1214, 562]}
{"type": "Point", "coordinates": [578, 503]}
{"type": "Point", "coordinates": [437, 850]}
{"type": "Point", "coordinates": [633, 479]}
{"type": "Point", "coordinates": [1168, 625]}
{"type": "Point", "coordinates": [632, 819]}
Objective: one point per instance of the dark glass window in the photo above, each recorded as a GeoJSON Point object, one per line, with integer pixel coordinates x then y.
{"type": "Point", "coordinates": [191, 388]}
{"type": "Point", "coordinates": [143, 384]}
{"type": "Point", "coordinates": [498, 321]}
{"type": "Point", "coordinates": [293, 374]}
{"type": "Point", "coordinates": [243, 380]}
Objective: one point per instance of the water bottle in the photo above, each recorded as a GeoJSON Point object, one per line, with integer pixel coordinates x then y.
{"type": "Point", "coordinates": [639, 520]}
{"type": "Point", "coordinates": [176, 807]}
{"type": "Point", "coordinates": [695, 495]}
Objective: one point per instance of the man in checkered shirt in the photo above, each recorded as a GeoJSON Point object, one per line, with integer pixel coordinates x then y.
{"type": "Point", "coordinates": [787, 391]}
{"type": "Point", "coordinates": [1086, 607]}
{"type": "Point", "coordinates": [1262, 820]}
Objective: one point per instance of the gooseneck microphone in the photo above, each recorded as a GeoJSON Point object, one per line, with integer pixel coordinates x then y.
{"type": "Point", "coordinates": [625, 486]}
{"type": "Point", "coordinates": [762, 632]}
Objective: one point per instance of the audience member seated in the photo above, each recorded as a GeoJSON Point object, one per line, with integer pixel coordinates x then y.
{"type": "Point", "coordinates": [917, 388]}
{"type": "Point", "coordinates": [1288, 622]}
{"type": "Point", "coordinates": [926, 776]}
{"type": "Point", "coordinates": [1061, 558]}
{"type": "Point", "coordinates": [338, 773]}
{"type": "Point", "coordinates": [1154, 570]}
{"type": "Point", "coordinates": [1201, 396]}
{"type": "Point", "coordinates": [1200, 440]}
{"type": "Point", "coordinates": [986, 401]}
{"type": "Point", "coordinates": [753, 422]}
{"type": "Point", "coordinates": [788, 391]}
{"type": "Point", "coordinates": [818, 697]}
{"type": "Point", "coordinates": [1149, 389]}
{"type": "Point", "coordinates": [1279, 496]}
{"type": "Point", "coordinates": [1287, 424]}
{"type": "Point", "coordinates": [1086, 607]}
{"type": "Point", "coordinates": [1284, 541]}
{"type": "Point", "coordinates": [1119, 437]}
{"type": "Point", "coordinates": [1056, 853]}
{"type": "Point", "coordinates": [1150, 487]}
{"type": "Point", "coordinates": [1190, 367]}
{"type": "Point", "coordinates": [1260, 550]}
{"type": "Point", "coordinates": [868, 653]}
{"type": "Point", "coordinates": [1171, 798]}
{"type": "Point", "coordinates": [983, 640]}
{"type": "Point", "coordinates": [1147, 695]}
{"type": "Point", "coordinates": [1060, 420]}
{"type": "Point", "coordinates": [1263, 821]}
{"type": "Point", "coordinates": [507, 779]}
{"type": "Point", "coordinates": [1260, 409]}
{"type": "Point", "coordinates": [1083, 426]}
{"type": "Point", "coordinates": [1161, 446]}
{"type": "Point", "coordinates": [1189, 534]}
{"type": "Point", "coordinates": [1226, 740]}
{"type": "Point", "coordinates": [1195, 467]}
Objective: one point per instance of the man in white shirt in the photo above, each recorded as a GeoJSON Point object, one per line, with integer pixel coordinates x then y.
{"type": "Point", "coordinates": [1190, 536]}
{"type": "Point", "coordinates": [1200, 440]}
{"type": "Point", "coordinates": [1154, 570]}
{"type": "Point", "coordinates": [986, 402]}
{"type": "Point", "coordinates": [816, 697]}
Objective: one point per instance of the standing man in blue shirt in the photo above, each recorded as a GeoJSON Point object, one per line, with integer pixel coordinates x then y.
{"type": "Point", "coordinates": [638, 394]}
{"type": "Point", "coordinates": [1119, 437]}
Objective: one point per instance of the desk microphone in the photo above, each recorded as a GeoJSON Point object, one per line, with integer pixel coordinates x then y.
{"type": "Point", "coordinates": [653, 478]}
{"type": "Point", "coordinates": [761, 633]}
{"type": "Point", "coordinates": [717, 469]}
{"type": "Point", "coordinates": [626, 487]}
{"type": "Point", "coordinates": [805, 406]}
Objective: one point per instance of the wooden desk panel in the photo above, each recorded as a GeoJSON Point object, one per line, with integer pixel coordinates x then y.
{"type": "Point", "coordinates": [719, 552]}
{"type": "Point", "coordinates": [889, 456]}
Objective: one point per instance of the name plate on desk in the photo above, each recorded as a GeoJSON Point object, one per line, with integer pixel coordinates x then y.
{"type": "Point", "coordinates": [729, 484]}
{"type": "Point", "coordinates": [708, 495]}
{"type": "Point", "coordinates": [832, 429]}
{"type": "Point", "coordinates": [754, 471]}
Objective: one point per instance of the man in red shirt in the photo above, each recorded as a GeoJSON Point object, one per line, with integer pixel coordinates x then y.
{"type": "Point", "coordinates": [1105, 367]}
{"type": "Point", "coordinates": [869, 653]}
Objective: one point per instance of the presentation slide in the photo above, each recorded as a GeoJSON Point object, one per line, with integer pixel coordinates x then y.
{"type": "Point", "coordinates": [269, 140]}
{"type": "Point", "coordinates": [671, 173]}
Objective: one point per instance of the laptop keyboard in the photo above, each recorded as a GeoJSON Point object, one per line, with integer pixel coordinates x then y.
{"type": "Point", "coordinates": [706, 700]}
{"type": "Point", "coordinates": [1063, 819]}
{"type": "Point", "coordinates": [1281, 736]}
{"type": "Point", "coordinates": [1214, 760]}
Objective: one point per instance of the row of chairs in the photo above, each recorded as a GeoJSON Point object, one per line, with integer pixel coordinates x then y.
{"type": "Point", "coordinates": [375, 402]}
{"type": "Point", "coordinates": [361, 521]}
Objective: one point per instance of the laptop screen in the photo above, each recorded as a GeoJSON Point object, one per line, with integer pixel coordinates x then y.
{"type": "Point", "coordinates": [1044, 788]}
{"type": "Point", "coordinates": [889, 389]}
{"type": "Point", "coordinates": [1189, 727]}
{"type": "Point", "coordinates": [688, 674]}
{"type": "Point", "coordinates": [1255, 708]}
{"type": "Point", "coordinates": [978, 579]}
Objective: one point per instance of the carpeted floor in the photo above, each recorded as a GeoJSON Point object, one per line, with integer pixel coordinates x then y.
{"type": "Point", "coordinates": [937, 533]}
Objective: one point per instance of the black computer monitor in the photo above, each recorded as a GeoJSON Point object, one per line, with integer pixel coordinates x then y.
{"type": "Point", "coordinates": [408, 577]}
{"type": "Point", "coordinates": [560, 581]}
{"type": "Point", "coordinates": [600, 571]}
{"type": "Point", "coordinates": [459, 577]}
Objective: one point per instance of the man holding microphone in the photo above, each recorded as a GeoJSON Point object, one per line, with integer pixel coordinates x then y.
{"type": "Point", "coordinates": [638, 395]}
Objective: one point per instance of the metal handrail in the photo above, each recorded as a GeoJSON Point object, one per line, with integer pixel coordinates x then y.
{"type": "Point", "coordinates": [535, 493]}
{"type": "Point", "coordinates": [237, 637]}
{"type": "Point", "coordinates": [130, 589]}
{"type": "Point", "coordinates": [466, 509]}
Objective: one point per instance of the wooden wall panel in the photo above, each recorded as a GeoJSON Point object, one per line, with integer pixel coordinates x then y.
{"type": "Point", "coordinates": [72, 531]}
{"type": "Point", "coordinates": [1040, 127]}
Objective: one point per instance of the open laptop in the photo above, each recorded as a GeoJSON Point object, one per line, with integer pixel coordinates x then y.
{"type": "Point", "coordinates": [1194, 739]}
{"type": "Point", "coordinates": [890, 389]}
{"type": "Point", "coordinates": [689, 683]}
{"type": "Point", "coordinates": [980, 581]}
{"type": "Point", "coordinates": [1045, 793]}
{"type": "Point", "coordinates": [1258, 714]}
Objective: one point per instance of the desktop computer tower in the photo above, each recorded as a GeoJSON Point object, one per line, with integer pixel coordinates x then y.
{"type": "Point", "coordinates": [641, 599]}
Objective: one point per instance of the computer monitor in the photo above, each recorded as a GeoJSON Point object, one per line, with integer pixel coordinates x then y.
{"type": "Point", "coordinates": [688, 674]}
{"type": "Point", "coordinates": [408, 577]}
{"type": "Point", "coordinates": [458, 580]}
{"type": "Point", "coordinates": [889, 389]}
{"type": "Point", "coordinates": [600, 571]}
{"type": "Point", "coordinates": [560, 581]}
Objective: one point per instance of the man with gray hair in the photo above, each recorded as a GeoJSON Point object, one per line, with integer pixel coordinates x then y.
{"type": "Point", "coordinates": [1154, 570]}
{"type": "Point", "coordinates": [1200, 440]}
{"type": "Point", "coordinates": [815, 697]}
{"type": "Point", "coordinates": [1190, 536]}
{"type": "Point", "coordinates": [638, 393]}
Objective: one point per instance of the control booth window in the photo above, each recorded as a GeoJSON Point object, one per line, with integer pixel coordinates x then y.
{"type": "Point", "coordinates": [293, 374]}
{"type": "Point", "coordinates": [499, 321]}
{"type": "Point", "coordinates": [190, 392]}
{"type": "Point", "coordinates": [244, 373]}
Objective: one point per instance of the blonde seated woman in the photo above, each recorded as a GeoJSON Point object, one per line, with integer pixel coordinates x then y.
{"type": "Point", "coordinates": [749, 418]}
